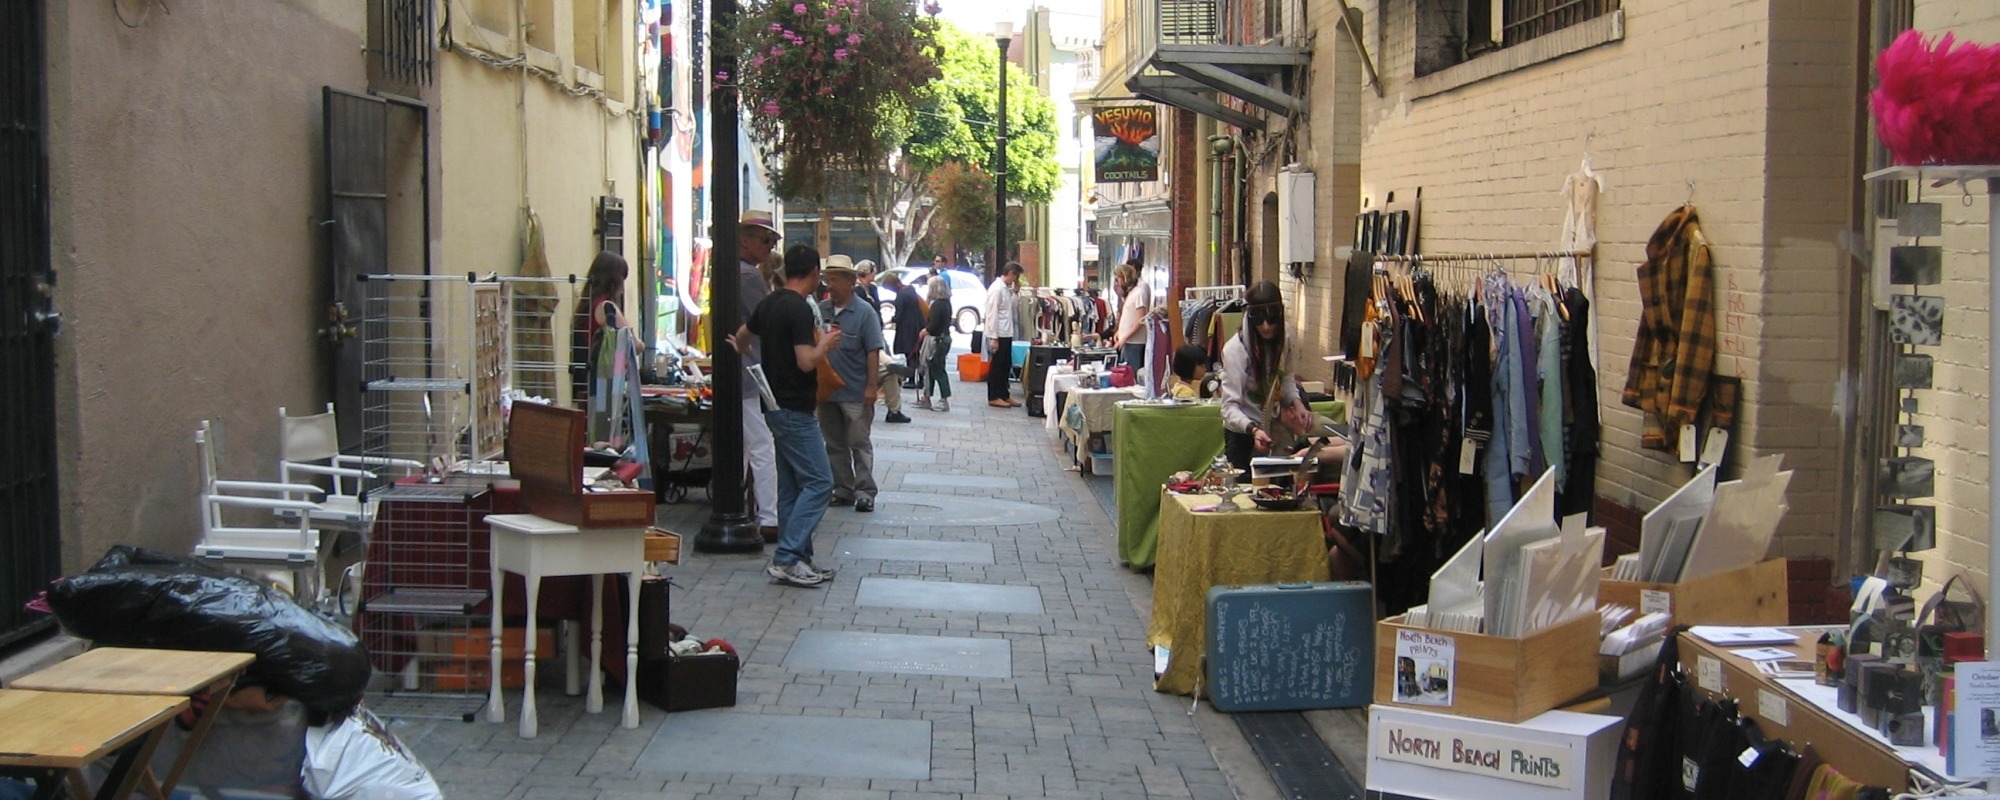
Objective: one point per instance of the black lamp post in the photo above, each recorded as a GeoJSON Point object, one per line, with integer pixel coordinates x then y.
{"type": "Point", "coordinates": [1003, 34]}
{"type": "Point", "coordinates": [729, 528]}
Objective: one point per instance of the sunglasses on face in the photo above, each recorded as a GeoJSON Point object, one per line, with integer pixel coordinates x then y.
{"type": "Point", "coordinates": [1260, 316]}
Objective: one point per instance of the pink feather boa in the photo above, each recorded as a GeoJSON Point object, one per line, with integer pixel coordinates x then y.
{"type": "Point", "coordinates": [1938, 103]}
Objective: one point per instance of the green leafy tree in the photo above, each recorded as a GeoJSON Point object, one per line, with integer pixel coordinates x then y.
{"type": "Point", "coordinates": [953, 122]}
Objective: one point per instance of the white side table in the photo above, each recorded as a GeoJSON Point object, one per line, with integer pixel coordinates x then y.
{"type": "Point", "coordinates": [534, 548]}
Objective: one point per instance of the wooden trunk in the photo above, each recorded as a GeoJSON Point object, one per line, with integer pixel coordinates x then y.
{"type": "Point", "coordinates": [545, 451]}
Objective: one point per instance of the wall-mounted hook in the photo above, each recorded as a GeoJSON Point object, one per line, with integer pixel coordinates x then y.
{"type": "Point", "coordinates": [1690, 200]}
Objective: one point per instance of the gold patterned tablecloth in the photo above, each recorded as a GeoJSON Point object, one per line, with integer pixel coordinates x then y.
{"type": "Point", "coordinates": [1200, 550]}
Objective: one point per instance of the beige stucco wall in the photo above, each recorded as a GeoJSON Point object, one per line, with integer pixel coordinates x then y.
{"type": "Point", "coordinates": [576, 149]}
{"type": "Point", "coordinates": [1749, 100]}
{"type": "Point", "coordinates": [1954, 413]}
{"type": "Point", "coordinates": [184, 158]}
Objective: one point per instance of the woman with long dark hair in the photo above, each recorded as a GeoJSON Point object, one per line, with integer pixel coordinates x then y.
{"type": "Point", "coordinates": [1258, 387]}
{"type": "Point", "coordinates": [600, 307]}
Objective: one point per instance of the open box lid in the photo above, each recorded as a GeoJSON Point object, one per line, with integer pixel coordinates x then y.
{"type": "Point", "coordinates": [545, 447]}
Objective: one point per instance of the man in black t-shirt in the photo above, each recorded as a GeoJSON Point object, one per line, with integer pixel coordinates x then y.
{"type": "Point", "coordinates": [794, 343]}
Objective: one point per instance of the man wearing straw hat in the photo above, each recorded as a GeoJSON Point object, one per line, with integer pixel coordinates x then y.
{"type": "Point", "coordinates": [847, 417]}
{"type": "Point", "coordinates": [756, 237]}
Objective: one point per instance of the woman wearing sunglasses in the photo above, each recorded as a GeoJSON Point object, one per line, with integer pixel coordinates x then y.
{"type": "Point", "coordinates": [1258, 388]}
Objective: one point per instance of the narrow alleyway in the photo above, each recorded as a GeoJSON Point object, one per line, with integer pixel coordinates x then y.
{"type": "Point", "coordinates": [1020, 667]}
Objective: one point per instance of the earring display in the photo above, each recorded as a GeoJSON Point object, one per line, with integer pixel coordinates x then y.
{"type": "Point", "coordinates": [1909, 436]}
{"type": "Point", "coordinates": [1916, 319]}
{"type": "Point", "coordinates": [1916, 220]}
{"type": "Point", "coordinates": [1907, 476]}
{"type": "Point", "coordinates": [1916, 265]}
{"type": "Point", "coordinates": [1905, 528]}
{"type": "Point", "coordinates": [1913, 371]}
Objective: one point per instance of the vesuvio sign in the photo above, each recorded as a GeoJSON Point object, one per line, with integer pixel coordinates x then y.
{"type": "Point", "coordinates": [1524, 762]}
{"type": "Point", "coordinates": [1127, 147]}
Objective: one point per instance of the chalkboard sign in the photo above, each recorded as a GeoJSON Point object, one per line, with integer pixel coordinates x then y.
{"type": "Point", "coordinates": [1291, 647]}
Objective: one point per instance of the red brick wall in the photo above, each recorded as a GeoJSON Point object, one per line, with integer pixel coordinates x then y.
{"type": "Point", "coordinates": [1186, 204]}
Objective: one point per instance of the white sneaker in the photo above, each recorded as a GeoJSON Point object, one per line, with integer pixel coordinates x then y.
{"type": "Point", "coordinates": [823, 572]}
{"type": "Point", "coordinates": [942, 405]}
{"type": "Point", "coordinates": [797, 573]}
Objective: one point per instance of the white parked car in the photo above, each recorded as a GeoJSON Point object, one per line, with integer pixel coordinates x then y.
{"type": "Point", "coordinates": [968, 295]}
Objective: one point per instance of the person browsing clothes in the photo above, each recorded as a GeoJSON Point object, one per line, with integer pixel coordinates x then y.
{"type": "Point", "coordinates": [1136, 301]}
{"type": "Point", "coordinates": [847, 417]}
{"type": "Point", "coordinates": [1259, 390]}
{"type": "Point", "coordinates": [1001, 324]}
{"type": "Point", "coordinates": [788, 327]}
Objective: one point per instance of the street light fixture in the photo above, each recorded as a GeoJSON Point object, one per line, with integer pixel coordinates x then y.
{"type": "Point", "coordinates": [1003, 34]}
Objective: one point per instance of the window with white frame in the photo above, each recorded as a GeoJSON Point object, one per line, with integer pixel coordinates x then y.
{"type": "Point", "coordinates": [1451, 32]}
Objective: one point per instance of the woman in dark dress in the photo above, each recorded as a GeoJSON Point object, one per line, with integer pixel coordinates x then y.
{"type": "Point", "coordinates": [936, 349]}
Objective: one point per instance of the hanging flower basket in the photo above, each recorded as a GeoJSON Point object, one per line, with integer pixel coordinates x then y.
{"type": "Point", "coordinates": [820, 77]}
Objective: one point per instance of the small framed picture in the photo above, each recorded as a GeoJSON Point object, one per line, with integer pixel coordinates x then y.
{"type": "Point", "coordinates": [1913, 371]}
{"type": "Point", "coordinates": [1915, 319]}
{"type": "Point", "coordinates": [1909, 436]}
{"type": "Point", "coordinates": [1904, 573]}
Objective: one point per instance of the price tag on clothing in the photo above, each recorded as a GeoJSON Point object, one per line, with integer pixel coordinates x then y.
{"type": "Point", "coordinates": [1687, 444]}
{"type": "Point", "coordinates": [1468, 456]}
{"type": "Point", "coordinates": [1713, 447]}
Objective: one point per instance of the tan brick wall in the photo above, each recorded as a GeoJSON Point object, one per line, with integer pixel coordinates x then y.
{"type": "Point", "coordinates": [1697, 91]}
{"type": "Point", "coordinates": [1954, 413]}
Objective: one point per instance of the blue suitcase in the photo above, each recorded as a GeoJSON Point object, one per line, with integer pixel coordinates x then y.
{"type": "Point", "coordinates": [1290, 647]}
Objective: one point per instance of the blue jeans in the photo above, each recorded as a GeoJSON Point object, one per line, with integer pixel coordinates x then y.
{"type": "Point", "coordinates": [805, 482]}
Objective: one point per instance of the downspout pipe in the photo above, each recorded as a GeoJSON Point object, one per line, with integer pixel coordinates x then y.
{"type": "Point", "coordinates": [1218, 152]}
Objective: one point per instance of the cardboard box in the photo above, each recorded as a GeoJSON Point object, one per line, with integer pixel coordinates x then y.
{"type": "Point", "coordinates": [478, 676]}
{"type": "Point", "coordinates": [1491, 677]}
{"type": "Point", "coordinates": [1752, 595]}
{"type": "Point", "coordinates": [1553, 756]}
{"type": "Point", "coordinates": [476, 644]}
{"type": "Point", "coordinates": [545, 447]}
{"type": "Point", "coordinates": [689, 683]}
{"type": "Point", "coordinates": [663, 546]}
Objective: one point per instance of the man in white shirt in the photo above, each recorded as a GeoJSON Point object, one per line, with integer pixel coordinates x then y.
{"type": "Point", "coordinates": [757, 234]}
{"type": "Point", "coordinates": [1001, 326]}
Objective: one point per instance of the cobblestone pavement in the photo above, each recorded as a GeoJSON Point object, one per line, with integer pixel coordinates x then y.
{"type": "Point", "coordinates": [1078, 719]}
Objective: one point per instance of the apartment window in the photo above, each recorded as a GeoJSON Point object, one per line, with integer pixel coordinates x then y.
{"type": "Point", "coordinates": [1086, 66]}
{"type": "Point", "coordinates": [1451, 32]}
{"type": "Point", "coordinates": [541, 24]}
{"type": "Point", "coordinates": [587, 35]}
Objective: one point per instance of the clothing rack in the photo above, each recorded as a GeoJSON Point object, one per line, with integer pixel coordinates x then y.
{"type": "Point", "coordinates": [1223, 293]}
{"type": "Point", "coordinates": [1420, 258]}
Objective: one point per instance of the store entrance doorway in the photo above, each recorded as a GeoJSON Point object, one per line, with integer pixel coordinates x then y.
{"type": "Point", "coordinates": [30, 528]}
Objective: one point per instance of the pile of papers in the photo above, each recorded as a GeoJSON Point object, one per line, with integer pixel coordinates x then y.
{"type": "Point", "coordinates": [1706, 528]}
{"type": "Point", "coordinates": [1526, 575]}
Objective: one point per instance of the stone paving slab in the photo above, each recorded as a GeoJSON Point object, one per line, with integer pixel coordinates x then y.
{"type": "Point", "coordinates": [895, 653]}
{"type": "Point", "coordinates": [914, 550]}
{"type": "Point", "coordinates": [1077, 719]}
{"type": "Point", "coordinates": [736, 744]}
{"type": "Point", "coordinates": [960, 481]}
{"type": "Point", "coordinates": [949, 596]}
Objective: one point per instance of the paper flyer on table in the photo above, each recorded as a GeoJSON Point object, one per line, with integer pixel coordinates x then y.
{"type": "Point", "coordinates": [1975, 731]}
{"type": "Point", "coordinates": [1425, 667]}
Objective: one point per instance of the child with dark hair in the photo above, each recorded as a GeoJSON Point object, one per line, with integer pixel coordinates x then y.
{"type": "Point", "coordinates": [1190, 367]}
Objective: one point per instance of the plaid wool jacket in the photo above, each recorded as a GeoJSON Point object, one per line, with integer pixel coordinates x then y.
{"type": "Point", "coordinates": [1674, 353]}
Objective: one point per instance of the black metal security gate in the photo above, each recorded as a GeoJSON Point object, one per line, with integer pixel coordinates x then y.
{"type": "Point", "coordinates": [29, 529]}
{"type": "Point", "coordinates": [357, 204]}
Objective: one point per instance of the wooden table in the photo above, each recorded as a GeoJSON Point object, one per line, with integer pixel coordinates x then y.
{"type": "Point", "coordinates": [137, 671]}
{"type": "Point", "coordinates": [51, 736]}
{"type": "Point", "coordinates": [536, 547]}
{"type": "Point", "coordinates": [1200, 550]}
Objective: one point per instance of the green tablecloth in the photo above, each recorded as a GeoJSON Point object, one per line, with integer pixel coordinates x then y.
{"type": "Point", "coordinates": [1149, 443]}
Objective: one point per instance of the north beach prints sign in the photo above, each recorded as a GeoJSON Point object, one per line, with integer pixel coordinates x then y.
{"type": "Point", "coordinates": [1524, 762]}
{"type": "Point", "coordinates": [1127, 144]}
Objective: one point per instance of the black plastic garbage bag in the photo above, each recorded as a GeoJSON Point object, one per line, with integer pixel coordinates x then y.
{"type": "Point", "coordinates": [140, 598]}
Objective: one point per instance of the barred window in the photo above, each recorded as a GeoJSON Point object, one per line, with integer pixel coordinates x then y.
{"type": "Point", "coordinates": [1451, 32]}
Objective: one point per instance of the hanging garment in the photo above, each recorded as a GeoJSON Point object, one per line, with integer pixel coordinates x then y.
{"type": "Point", "coordinates": [1580, 429]}
{"type": "Point", "coordinates": [1360, 277]}
{"type": "Point", "coordinates": [1673, 356]}
{"type": "Point", "coordinates": [1579, 234]}
{"type": "Point", "coordinates": [1549, 377]}
{"type": "Point", "coordinates": [1366, 483]}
